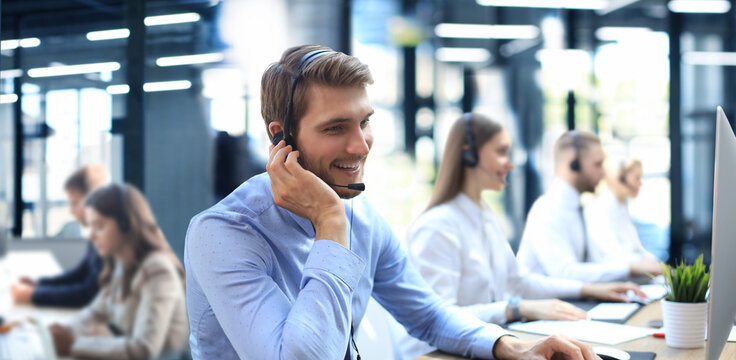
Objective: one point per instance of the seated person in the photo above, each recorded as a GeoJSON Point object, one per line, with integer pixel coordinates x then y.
{"type": "Point", "coordinates": [284, 266]}
{"type": "Point", "coordinates": [555, 241]}
{"type": "Point", "coordinates": [458, 246]}
{"type": "Point", "coordinates": [139, 312]}
{"type": "Point", "coordinates": [77, 286]}
{"type": "Point", "coordinates": [612, 234]}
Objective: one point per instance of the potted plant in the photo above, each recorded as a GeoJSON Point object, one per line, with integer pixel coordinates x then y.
{"type": "Point", "coordinates": [685, 307]}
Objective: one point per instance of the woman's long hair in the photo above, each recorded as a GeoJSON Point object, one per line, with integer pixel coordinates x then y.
{"type": "Point", "coordinates": [451, 174]}
{"type": "Point", "coordinates": [130, 210]}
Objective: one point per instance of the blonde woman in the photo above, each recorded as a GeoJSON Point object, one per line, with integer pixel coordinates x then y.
{"type": "Point", "coordinates": [611, 232]}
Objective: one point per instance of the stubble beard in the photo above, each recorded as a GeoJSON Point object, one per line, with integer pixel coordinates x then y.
{"type": "Point", "coordinates": [343, 193]}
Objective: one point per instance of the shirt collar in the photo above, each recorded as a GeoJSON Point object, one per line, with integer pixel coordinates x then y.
{"type": "Point", "coordinates": [567, 194]}
{"type": "Point", "coordinates": [474, 213]}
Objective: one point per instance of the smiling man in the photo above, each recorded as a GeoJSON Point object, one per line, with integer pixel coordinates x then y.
{"type": "Point", "coordinates": [284, 266]}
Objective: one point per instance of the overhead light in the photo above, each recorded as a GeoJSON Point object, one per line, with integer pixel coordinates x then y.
{"type": "Point", "coordinates": [108, 34]}
{"type": "Point", "coordinates": [556, 4]}
{"type": "Point", "coordinates": [117, 89]}
{"type": "Point", "coordinates": [73, 69]}
{"type": "Point", "coordinates": [699, 6]}
{"type": "Point", "coordinates": [171, 19]}
{"type": "Point", "coordinates": [615, 33]}
{"type": "Point", "coordinates": [481, 31]}
{"type": "Point", "coordinates": [189, 59]}
{"type": "Point", "coordinates": [151, 87]}
{"type": "Point", "coordinates": [716, 58]}
{"type": "Point", "coordinates": [8, 98]}
{"type": "Point", "coordinates": [448, 54]}
{"type": "Point", "coordinates": [16, 43]}
{"type": "Point", "coordinates": [11, 73]}
{"type": "Point", "coordinates": [148, 21]}
{"type": "Point", "coordinates": [167, 85]}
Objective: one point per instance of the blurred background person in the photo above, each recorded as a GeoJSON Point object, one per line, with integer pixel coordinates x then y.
{"type": "Point", "coordinates": [77, 286]}
{"type": "Point", "coordinates": [458, 245]}
{"type": "Point", "coordinates": [139, 312]}
{"type": "Point", "coordinates": [555, 241]}
{"type": "Point", "coordinates": [611, 232]}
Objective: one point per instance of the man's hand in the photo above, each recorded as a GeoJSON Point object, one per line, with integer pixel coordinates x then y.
{"type": "Point", "coordinates": [26, 280]}
{"type": "Point", "coordinates": [550, 309]}
{"type": "Point", "coordinates": [63, 339]}
{"type": "Point", "coordinates": [508, 347]}
{"type": "Point", "coordinates": [645, 266]}
{"type": "Point", "coordinates": [21, 293]}
{"type": "Point", "coordinates": [615, 291]}
{"type": "Point", "coordinates": [303, 193]}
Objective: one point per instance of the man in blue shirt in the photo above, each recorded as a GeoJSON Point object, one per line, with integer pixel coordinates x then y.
{"type": "Point", "coordinates": [284, 266]}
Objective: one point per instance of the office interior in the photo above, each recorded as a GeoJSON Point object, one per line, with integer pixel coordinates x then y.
{"type": "Point", "coordinates": [646, 76]}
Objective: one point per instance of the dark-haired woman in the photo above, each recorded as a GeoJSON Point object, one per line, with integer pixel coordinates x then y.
{"type": "Point", "coordinates": [140, 311]}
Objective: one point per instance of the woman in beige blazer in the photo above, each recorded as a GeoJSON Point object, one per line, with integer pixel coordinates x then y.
{"type": "Point", "coordinates": [140, 311]}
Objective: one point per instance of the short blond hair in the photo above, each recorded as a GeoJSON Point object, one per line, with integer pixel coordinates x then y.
{"type": "Point", "coordinates": [332, 69]}
{"type": "Point", "coordinates": [579, 141]}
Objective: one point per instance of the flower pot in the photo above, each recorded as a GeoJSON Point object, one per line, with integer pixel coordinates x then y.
{"type": "Point", "coordinates": [684, 324]}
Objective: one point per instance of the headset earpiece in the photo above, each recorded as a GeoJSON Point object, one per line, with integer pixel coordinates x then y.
{"type": "Point", "coordinates": [575, 163]}
{"type": "Point", "coordinates": [469, 155]}
{"type": "Point", "coordinates": [277, 137]}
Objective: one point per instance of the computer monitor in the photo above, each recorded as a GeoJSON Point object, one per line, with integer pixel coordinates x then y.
{"type": "Point", "coordinates": [722, 298]}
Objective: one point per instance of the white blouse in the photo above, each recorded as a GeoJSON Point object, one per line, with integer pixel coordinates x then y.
{"type": "Point", "coordinates": [611, 232]}
{"type": "Point", "coordinates": [460, 249]}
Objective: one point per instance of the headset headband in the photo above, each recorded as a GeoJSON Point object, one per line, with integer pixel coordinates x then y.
{"type": "Point", "coordinates": [303, 62]}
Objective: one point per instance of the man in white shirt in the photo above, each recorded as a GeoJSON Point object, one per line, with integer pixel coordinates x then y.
{"type": "Point", "coordinates": [555, 242]}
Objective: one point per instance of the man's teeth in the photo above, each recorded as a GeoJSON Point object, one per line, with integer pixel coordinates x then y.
{"type": "Point", "coordinates": [347, 166]}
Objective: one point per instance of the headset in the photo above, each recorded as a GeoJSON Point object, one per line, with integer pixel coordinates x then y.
{"type": "Point", "coordinates": [285, 134]}
{"type": "Point", "coordinates": [623, 171]}
{"type": "Point", "coordinates": [469, 155]}
{"type": "Point", "coordinates": [575, 163]}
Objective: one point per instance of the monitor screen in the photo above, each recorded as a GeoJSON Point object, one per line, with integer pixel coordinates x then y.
{"type": "Point", "coordinates": [722, 298]}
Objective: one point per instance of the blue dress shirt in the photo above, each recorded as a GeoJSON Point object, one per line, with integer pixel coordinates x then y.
{"type": "Point", "coordinates": [260, 287]}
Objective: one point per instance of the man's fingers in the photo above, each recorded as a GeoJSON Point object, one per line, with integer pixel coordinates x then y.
{"type": "Point", "coordinates": [562, 344]}
{"type": "Point", "coordinates": [586, 350]}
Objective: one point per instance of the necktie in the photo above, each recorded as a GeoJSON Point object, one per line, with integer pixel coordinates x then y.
{"type": "Point", "coordinates": [585, 234]}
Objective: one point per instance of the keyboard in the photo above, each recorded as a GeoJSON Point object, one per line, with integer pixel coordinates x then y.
{"type": "Point", "coordinates": [23, 343]}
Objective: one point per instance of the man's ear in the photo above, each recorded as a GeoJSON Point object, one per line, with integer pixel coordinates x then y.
{"type": "Point", "coordinates": [275, 127]}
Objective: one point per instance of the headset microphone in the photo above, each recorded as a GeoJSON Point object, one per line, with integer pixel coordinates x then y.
{"type": "Point", "coordinates": [356, 186]}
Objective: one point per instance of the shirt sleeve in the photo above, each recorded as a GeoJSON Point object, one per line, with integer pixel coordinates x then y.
{"type": "Point", "coordinates": [75, 288]}
{"type": "Point", "coordinates": [545, 240]}
{"type": "Point", "coordinates": [436, 254]}
{"type": "Point", "coordinates": [234, 267]}
{"type": "Point", "coordinates": [400, 289]}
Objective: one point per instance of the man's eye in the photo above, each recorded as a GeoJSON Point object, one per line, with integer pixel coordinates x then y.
{"type": "Point", "coordinates": [333, 128]}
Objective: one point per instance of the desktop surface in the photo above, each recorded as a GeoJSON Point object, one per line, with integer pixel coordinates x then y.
{"type": "Point", "coordinates": [652, 311]}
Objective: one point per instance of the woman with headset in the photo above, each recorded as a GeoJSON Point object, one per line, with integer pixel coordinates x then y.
{"type": "Point", "coordinates": [611, 232]}
{"type": "Point", "coordinates": [460, 249]}
{"type": "Point", "coordinates": [140, 311]}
